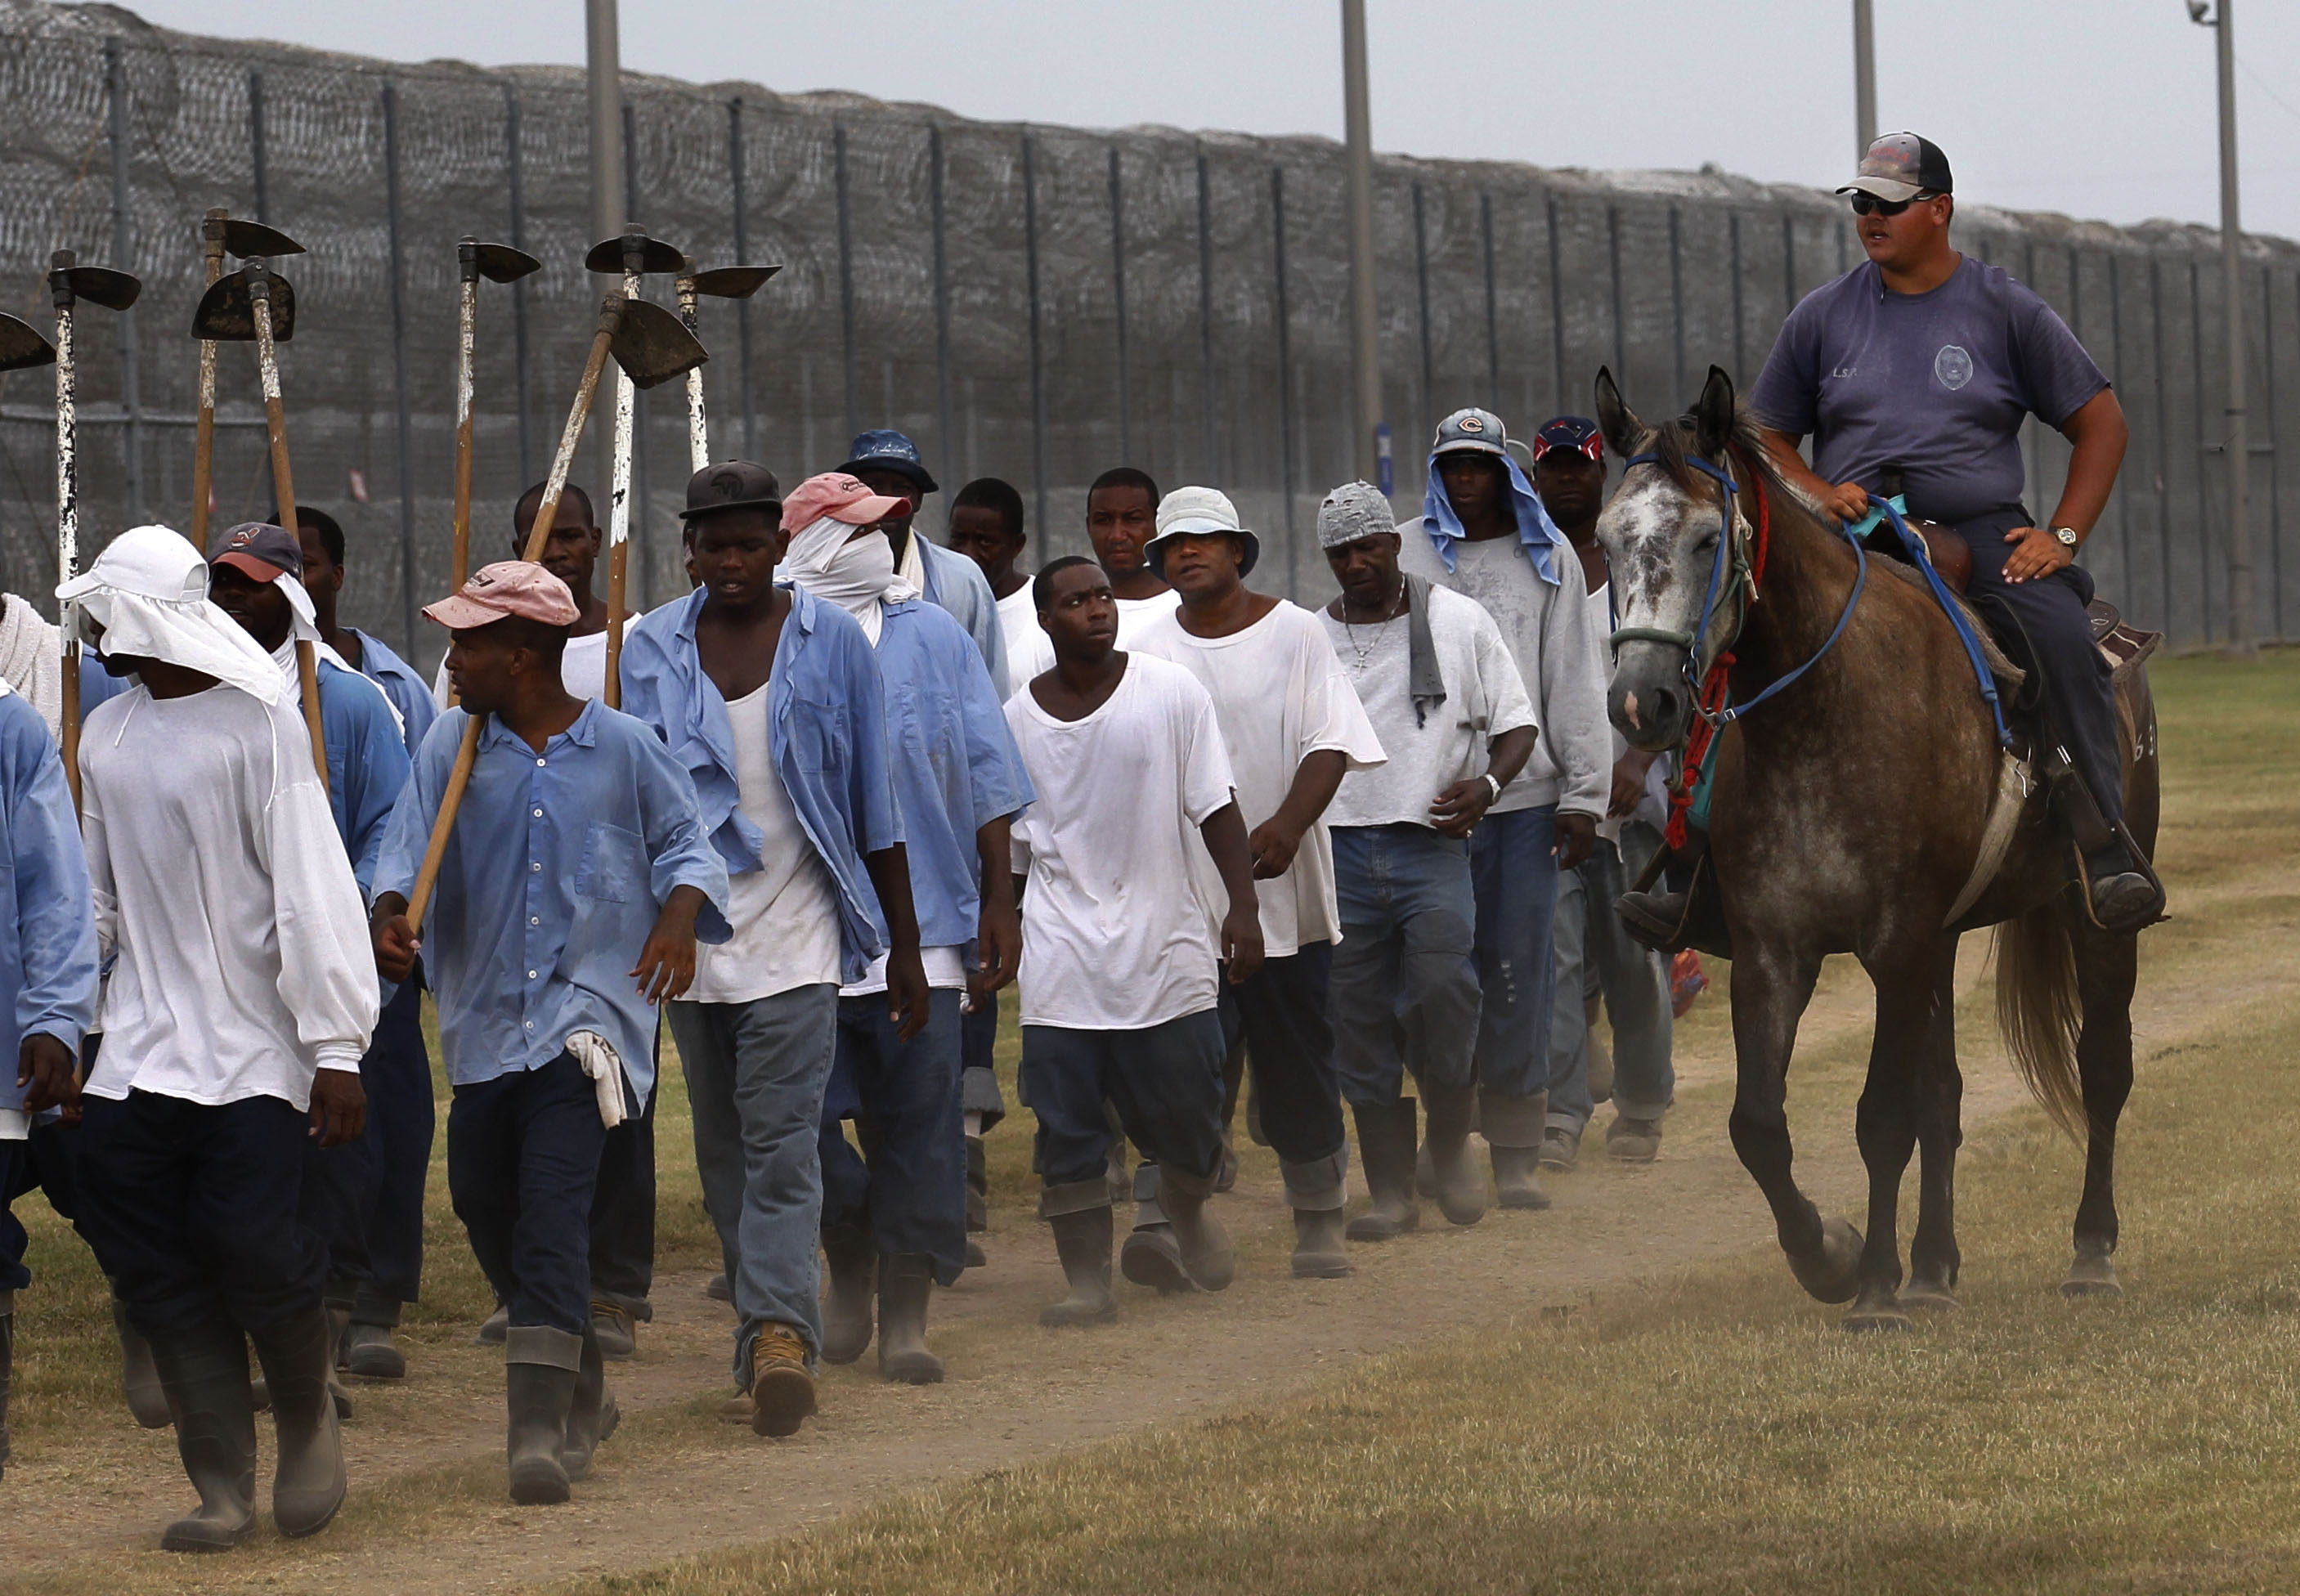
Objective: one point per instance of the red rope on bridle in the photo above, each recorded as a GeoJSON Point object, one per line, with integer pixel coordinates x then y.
{"type": "Point", "coordinates": [1713, 687]}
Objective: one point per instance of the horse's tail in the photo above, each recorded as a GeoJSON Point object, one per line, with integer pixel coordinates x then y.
{"type": "Point", "coordinates": [2038, 1011]}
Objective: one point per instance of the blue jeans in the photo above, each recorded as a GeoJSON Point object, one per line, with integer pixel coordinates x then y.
{"type": "Point", "coordinates": [1592, 940]}
{"type": "Point", "coordinates": [909, 1180]}
{"type": "Point", "coordinates": [756, 1074]}
{"type": "Point", "coordinates": [1514, 874]}
{"type": "Point", "coordinates": [1165, 1080]}
{"type": "Point", "coordinates": [522, 1163]}
{"type": "Point", "coordinates": [1405, 993]}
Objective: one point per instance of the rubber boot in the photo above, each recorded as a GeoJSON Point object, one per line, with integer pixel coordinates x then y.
{"type": "Point", "coordinates": [906, 1286]}
{"type": "Point", "coordinates": [541, 1367]}
{"type": "Point", "coordinates": [147, 1402]}
{"type": "Point", "coordinates": [339, 1329]}
{"type": "Point", "coordinates": [7, 1370]}
{"type": "Point", "coordinates": [592, 1415]}
{"type": "Point", "coordinates": [1516, 1178]}
{"type": "Point", "coordinates": [204, 1373]}
{"type": "Point", "coordinates": [977, 1186]}
{"type": "Point", "coordinates": [1425, 1172]}
{"type": "Point", "coordinates": [1207, 1258]}
{"type": "Point", "coordinates": [495, 1327]}
{"type": "Point", "coordinates": [298, 1358]}
{"type": "Point", "coordinates": [1082, 1241]}
{"type": "Point", "coordinates": [1461, 1184]}
{"type": "Point", "coordinates": [1655, 916]}
{"type": "Point", "coordinates": [1385, 1150]}
{"type": "Point", "coordinates": [1151, 1255]}
{"type": "Point", "coordinates": [1319, 1252]}
{"type": "Point", "coordinates": [1514, 1129]}
{"type": "Point", "coordinates": [850, 1258]}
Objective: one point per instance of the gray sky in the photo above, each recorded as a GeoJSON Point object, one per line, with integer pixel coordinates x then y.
{"type": "Point", "coordinates": [2099, 108]}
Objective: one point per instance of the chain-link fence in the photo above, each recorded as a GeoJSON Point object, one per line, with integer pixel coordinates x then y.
{"type": "Point", "coordinates": [1028, 301]}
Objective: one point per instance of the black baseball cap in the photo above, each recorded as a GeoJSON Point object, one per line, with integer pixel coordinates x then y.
{"type": "Point", "coordinates": [732, 484]}
{"type": "Point", "coordinates": [1899, 167]}
{"type": "Point", "coordinates": [259, 549]}
{"type": "Point", "coordinates": [1576, 434]}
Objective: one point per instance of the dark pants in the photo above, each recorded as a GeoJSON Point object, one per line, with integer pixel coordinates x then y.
{"type": "Point", "coordinates": [1405, 993]}
{"type": "Point", "coordinates": [622, 1211]}
{"type": "Point", "coordinates": [978, 1038]}
{"type": "Point", "coordinates": [192, 1209]}
{"type": "Point", "coordinates": [49, 1162]}
{"type": "Point", "coordinates": [2078, 696]}
{"type": "Point", "coordinates": [522, 1163]}
{"type": "Point", "coordinates": [366, 1198]}
{"type": "Point", "coordinates": [1282, 1007]}
{"type": "Point", "coordinates": [1166, 1081]}
{"type": "Point", "coordinates": [904, 1099]}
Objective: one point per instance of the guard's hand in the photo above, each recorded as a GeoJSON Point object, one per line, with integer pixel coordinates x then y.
{"type": "Point", "coordinates": [338, 1106]}
{"type": "Point", "coordinates": [1241, 939]}
{"type": "Point", "coordinates": [1273, 845]}
{"type": "Point", "coordinates": [1848, 502]}
{"type": "Point", "coordinates": [45, 1070]}
{"type": "Point", "coordinates": [998, 948]}
{"type": "Point", "coordinates": [1459, 807]}
{"type": "Point", "coordinates": [907, 993]}
{"type": "Point", "coordinates": [1577, 834]}
{"type": "Point", "coordinates": [396, 947]}
{"type": "Point", "coordinates": [2039, 553]}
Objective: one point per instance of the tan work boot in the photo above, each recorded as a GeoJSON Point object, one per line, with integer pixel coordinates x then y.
{"type": "Point", "coordinates": [1633, 1140]}
{"type": "Point", "coordinates": [782, 1390]}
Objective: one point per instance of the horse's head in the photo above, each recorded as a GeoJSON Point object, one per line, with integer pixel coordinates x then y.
{"type": "Point", "coordinates": [1662, 534]}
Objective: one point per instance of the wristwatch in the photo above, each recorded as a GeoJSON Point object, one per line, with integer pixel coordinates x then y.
{"type": "Point", "coordinates": [1493, 782]}
{"type": "Point", "coordinates": [2067, 537]}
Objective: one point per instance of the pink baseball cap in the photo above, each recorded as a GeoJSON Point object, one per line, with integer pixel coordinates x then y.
{"type": "Point", "coordinates": [842, 498]}
{"type": "Point", "coordinates": [507, 587]}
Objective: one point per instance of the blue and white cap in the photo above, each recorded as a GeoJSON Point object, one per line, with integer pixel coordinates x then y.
{"type": "Point", "coordinates": [1471, 431]}
{"type": "Point", "coordinates": [884, 449]}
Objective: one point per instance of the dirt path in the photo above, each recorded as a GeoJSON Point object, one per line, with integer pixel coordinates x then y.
{"type": "Point", "coordinates": [428, 1514]}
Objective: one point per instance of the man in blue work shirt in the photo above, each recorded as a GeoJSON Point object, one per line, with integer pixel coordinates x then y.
{"type": "Point", "coordinates": [772, 700]}
{"type": "Point", "coordinates": [887, 462]}
{"type": "Point", "coordinates": [574, 886]}
{"type": "Point", "coordinates": [256, 575]}
{"type": "Point", "coordinates": [397, 1067]}
{"type": "Point", "coordinates": [47, 978]}
{"type": "Point", "coordinates": [958, 780]}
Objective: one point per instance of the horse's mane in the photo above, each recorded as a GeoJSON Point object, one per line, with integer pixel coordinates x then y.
{"type": "Point", "coordinates": [1671, 442]}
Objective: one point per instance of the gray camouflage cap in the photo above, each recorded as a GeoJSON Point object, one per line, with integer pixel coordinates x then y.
{"type": "Point", "coordinates": [1353, 511]}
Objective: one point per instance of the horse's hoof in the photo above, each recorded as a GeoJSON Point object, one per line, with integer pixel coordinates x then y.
{"type": "Point", "coordinates": [1930, 1296]}
{"type": "Point", "coordinates": [1884, 1314]}
{"type": "Point", "coordinates": [1834, 1276]}
{"type": "Point", "coordinates": [2092, 1275]}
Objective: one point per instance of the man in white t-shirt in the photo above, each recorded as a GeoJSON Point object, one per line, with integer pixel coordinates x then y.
{"type": "Point", "coordinates": [1292, 727]}
{"type": "Point", "coordinates": [772, 698]}
{"type": "Point", "coordinates": [1121, 517]}
{"type": "Point", "coordinates": [1120, 978]}
{"type": "Point", "coordinates": [1445, 699]}
{"type": "Point", "coordinates": [1595, 953]}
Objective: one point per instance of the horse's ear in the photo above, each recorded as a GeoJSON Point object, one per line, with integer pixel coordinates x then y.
{"type": "Point", "coordinates": [1712, 415]}
{"type": "Point", "coordinates": [1625, 435]}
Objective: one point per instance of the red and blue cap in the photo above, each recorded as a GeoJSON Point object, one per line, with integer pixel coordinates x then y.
{"type": "Point", "coordinates": [1576, 433]}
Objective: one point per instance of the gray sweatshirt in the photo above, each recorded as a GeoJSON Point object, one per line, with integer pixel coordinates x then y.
{"type": "Point", "coordinates": [1552, 636]}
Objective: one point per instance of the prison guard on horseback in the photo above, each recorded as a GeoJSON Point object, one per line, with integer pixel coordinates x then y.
{"type": "Point", "coordinates": [1919, 366]}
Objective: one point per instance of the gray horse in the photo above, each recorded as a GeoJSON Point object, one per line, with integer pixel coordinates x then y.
{"type": "Point", "coordinates": [1867, 809]}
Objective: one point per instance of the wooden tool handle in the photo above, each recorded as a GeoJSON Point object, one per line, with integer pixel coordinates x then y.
{"type": "Point", "coordinates": [72, 718]}
{"type": "Point", "coordinates": [428, 877]}
{"type": "Point", "coordinates": [465, 338]}
{"type": "Point", "coordinates": [283, 482]}
{"type": "Point", "coordinates": [617, 565]}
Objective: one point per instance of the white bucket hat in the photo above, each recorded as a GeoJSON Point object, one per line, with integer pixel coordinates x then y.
{"type": "Point", "coordinates": [1199, 512]}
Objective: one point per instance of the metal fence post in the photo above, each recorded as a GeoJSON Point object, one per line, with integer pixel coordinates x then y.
{"type": "Point", "coordinates": [2116, 364]}
{"type": "Point", "coordinates": [737, 184]}
{"type": "Point", "coordinates": [2203, 478]}
{"type": "Point", "coordinates": [519, 286]}
{"type": "Point", "coordinates": [399, 370]}
{"type": "Point", "coordinates": [1206, 311]}
{"type": "Point", "coordinates": [1676, 297]}
{"type": "Point", "coordinates": [2163, 442]}
{"type": "Point", "coordinates": [131, 391]}
{"type": "Point", "coordinates": [1556, 310]}
{"type": "Point", "coordinates": [1493, 306]}
{"type": "Point", "coordinates": [1421, 290]}
{"type": "Point", "coordinates": [845, 280]}
{"type": "Point", "coordinates": [1613, 272]}
{"type": "Point", "coordinates": [256, 142]}
{"type": "Point", "coordinates": [2275, 505]}
{"type": "Point", "coordinates": [1117, 298]}
{"type": "Point", "coordinates": [1788, 263]}
{"type": "Point", "coordinates": [1740, 309]}
{"type": "Point", "coordinates": [1284, 370]}
{"type": "Point", "coordinates": [934, 180]}
{"type": "Point", "coordinates": [1037, 352]}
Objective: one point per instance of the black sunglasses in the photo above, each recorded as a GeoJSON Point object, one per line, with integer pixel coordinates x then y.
{"type": "Point", "coordinates": [1864, 204]}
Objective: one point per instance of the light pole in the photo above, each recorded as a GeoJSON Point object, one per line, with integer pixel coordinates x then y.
{"type": "Point", "coordinates": [2238, 440]}
{"type": "Point", "coordinates": [1864, 77]}
{"type": "Point", "coordinates": [1365, 327]}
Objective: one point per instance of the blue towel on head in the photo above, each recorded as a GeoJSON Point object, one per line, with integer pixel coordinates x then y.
{"type": "Point", "coordinates": [1537, 533]}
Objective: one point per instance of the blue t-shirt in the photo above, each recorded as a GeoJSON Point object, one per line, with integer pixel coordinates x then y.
{"type": "Point", "coordinates": [1937, 383]}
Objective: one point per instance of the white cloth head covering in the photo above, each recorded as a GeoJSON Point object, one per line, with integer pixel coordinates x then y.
{"type": "Point", "coordinates": [149, 590]}
{"type": "Point", "coordinates": [857, 574]}
{"type": "Point", "coordinates": [31, 660]}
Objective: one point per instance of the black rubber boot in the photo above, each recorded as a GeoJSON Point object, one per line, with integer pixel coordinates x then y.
{"type": "Point", "coordinates": [299, 1357]}
{"type": "Point", "coordinates": [906, 1286]}
{"type": "Point", "coordinates": [204, 1373]}
{"type": "Point", "coordinates": [850, 1254]}
{"type": "Point", "coordinates": [147, 1402]}
{"type": "Point", "coordinates": [7, 1368]}
{"type": "Point", "coordinates": [339, 1329]}
{"type": "Point", "coordinates": [592, 1415]}
{"type": "Point", "coordinates": [1082, 1240]}
{"type": "Point", "coordinates": [1653, 914]}
{"type": "Point", "coordinates": [1207, 1257]}
{"type": "Point", "coordinates": [542, 1366]}
{"type": "Point", "coordinates": [1386, 1151]}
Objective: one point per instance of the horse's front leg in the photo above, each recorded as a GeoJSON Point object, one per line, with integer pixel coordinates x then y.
{"type": "Point", "coordinates": [2107, 967]}
{"type": "Point", "coordinates": [1771, 984]}
{"type": "Point", "coordinates": [1914, 1044]}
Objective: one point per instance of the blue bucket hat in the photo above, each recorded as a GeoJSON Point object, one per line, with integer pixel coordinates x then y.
{"type": "Point", "coordinates": [882, 448]}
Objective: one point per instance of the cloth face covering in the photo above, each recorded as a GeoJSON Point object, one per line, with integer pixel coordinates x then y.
{"type": "Point", "coordinates": [857, 574]}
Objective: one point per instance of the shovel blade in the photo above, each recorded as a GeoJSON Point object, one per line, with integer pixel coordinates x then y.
{"type": "Point", "coordinates": [100, 285]}
{"type": "Point", "coordinates": [733, 282]}
{"type": "Point", "coordinates": [501, 263]}
{"type": "Point", "coordinates": [22, 345]}
{"type": "Point", "coordinates": [655, 255]}
{"type": "Point", "coordinates": [652, 347]}
{"type": "Point", "coordinates": [227, 312]}
{"type": "Point", "coordinates": [242, 239]}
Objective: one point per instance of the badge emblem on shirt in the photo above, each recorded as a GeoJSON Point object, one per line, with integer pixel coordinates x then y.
{"type": "Point", "coordinates": [1953, 367]}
